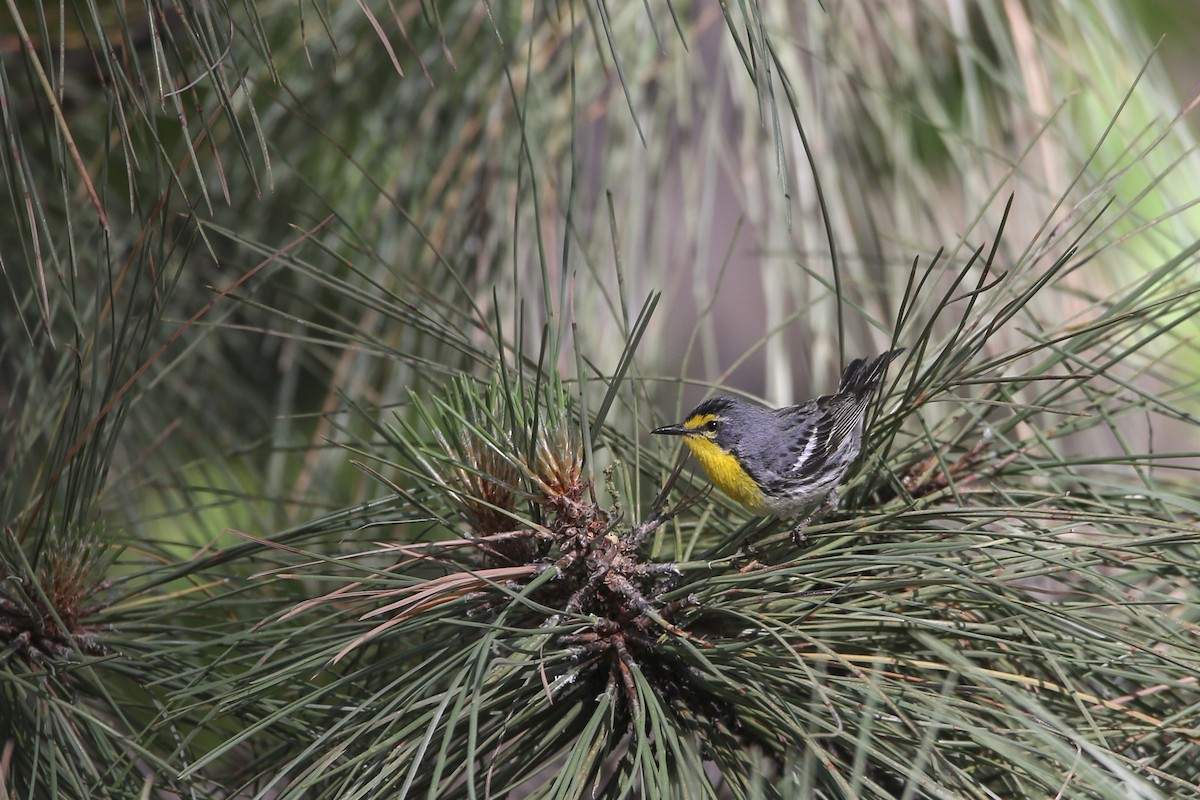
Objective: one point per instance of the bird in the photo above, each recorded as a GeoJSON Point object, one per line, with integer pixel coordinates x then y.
{"type": "Point", "coordinates": [784, 461]}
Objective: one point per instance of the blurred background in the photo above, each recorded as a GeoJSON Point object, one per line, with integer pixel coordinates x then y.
{"type": "Point", "coordinates": [773, 170]}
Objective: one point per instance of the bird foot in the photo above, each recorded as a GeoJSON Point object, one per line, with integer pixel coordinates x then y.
{"type": "Point", "coordinates": [830, 502]}
{"type": "Point", "coordinates": [799, 537]}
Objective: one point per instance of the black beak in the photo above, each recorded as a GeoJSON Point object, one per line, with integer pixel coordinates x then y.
{"type": "Point", "coordinates": [671, 430]}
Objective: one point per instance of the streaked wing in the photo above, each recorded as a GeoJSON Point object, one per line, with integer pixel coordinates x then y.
{"type": "Point", "coordinates": [819, 429]}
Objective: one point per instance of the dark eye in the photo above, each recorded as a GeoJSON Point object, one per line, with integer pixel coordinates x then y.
{"type": "Point", "coordinates": [711, 425]}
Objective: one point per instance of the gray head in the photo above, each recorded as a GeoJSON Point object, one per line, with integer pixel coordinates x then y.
{"type": "Point", "coordinates": [725, 421]}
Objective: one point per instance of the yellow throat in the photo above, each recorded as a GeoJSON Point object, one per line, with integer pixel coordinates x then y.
{"type": "Point", "coordinates": [725, 472]}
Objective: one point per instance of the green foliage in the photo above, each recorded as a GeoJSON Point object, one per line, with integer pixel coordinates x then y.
{"type": "Point", "coordinates": [330, 337]}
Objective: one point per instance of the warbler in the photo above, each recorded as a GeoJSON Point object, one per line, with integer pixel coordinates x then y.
{"type": "Point", "coordinates": [784, 461]}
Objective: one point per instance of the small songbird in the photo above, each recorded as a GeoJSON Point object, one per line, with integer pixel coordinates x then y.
{"type": "Point", "coordinates": [784, 461]}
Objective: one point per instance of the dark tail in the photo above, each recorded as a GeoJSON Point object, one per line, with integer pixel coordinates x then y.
{"type": "Point", "coordinates": [860, 377]}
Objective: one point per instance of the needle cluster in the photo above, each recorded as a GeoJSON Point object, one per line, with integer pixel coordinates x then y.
{"type": "Point", "coordinates": [45, 606]}
{"type": "Point", "coordinates": [523, 507]}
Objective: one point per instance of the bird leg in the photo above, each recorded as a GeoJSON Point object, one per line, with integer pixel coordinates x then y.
{"type": "Point", "coordinates": [828, 504]}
